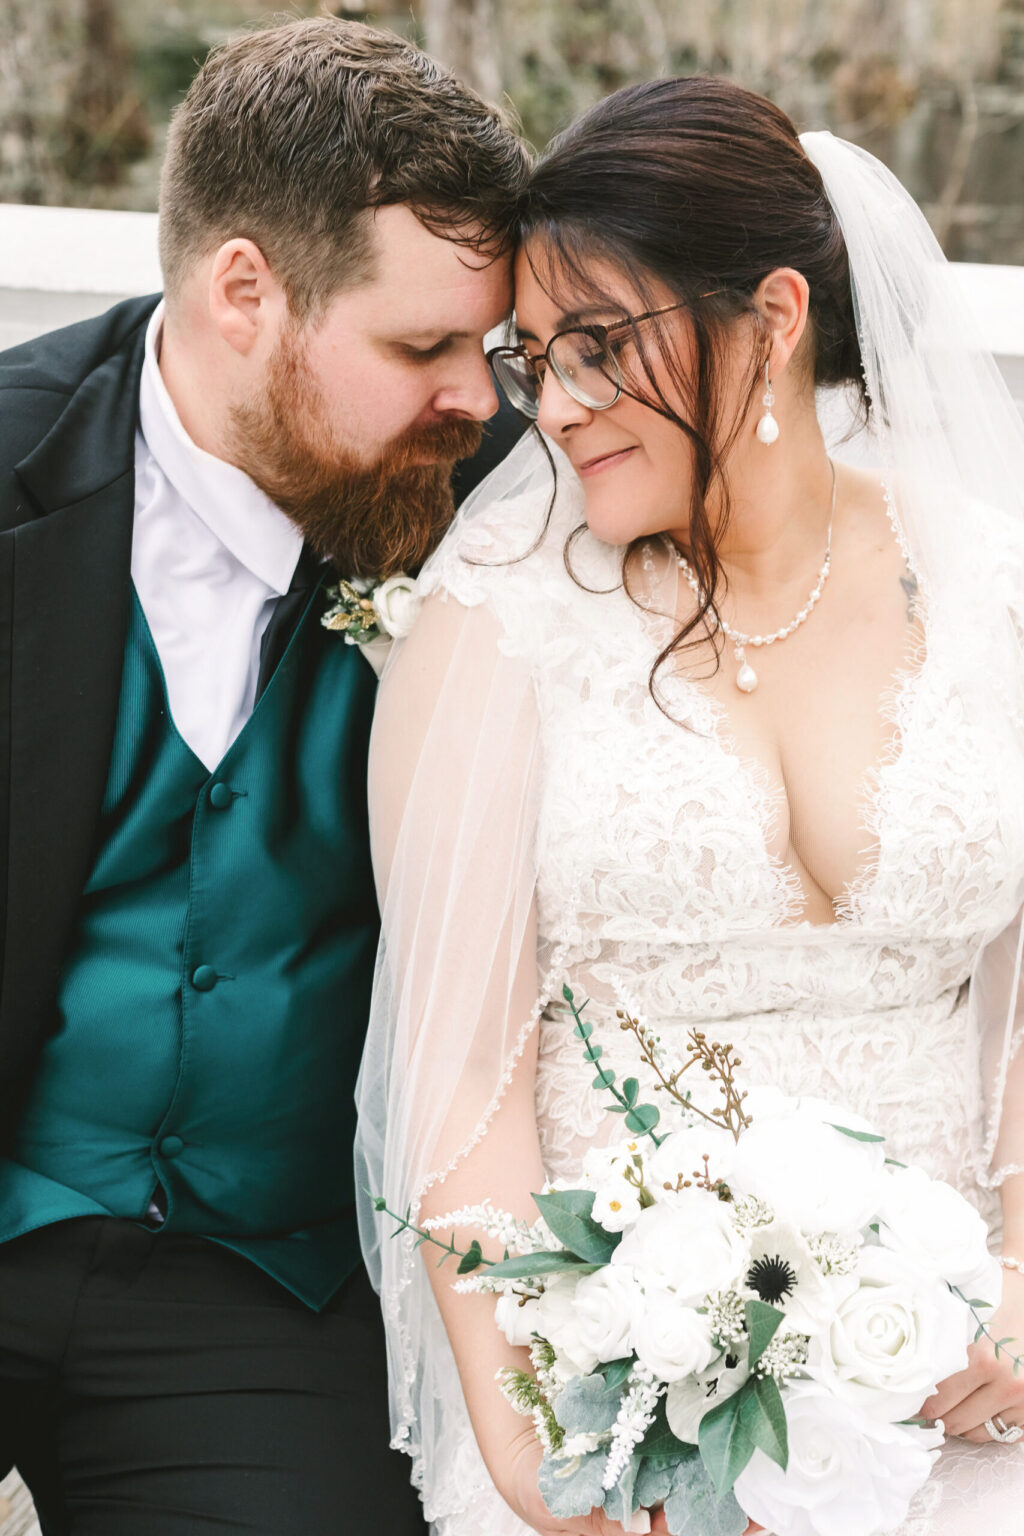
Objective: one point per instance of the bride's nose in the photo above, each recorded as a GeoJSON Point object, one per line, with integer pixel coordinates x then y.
{"type": "Point", "coordinates": [558, 411]}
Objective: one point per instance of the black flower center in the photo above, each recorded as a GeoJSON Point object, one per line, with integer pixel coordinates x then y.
{"type": "Point", "coordinates": [772, 1278]}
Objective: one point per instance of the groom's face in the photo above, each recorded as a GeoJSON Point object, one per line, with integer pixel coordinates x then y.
{"type": "Point", "coordinates": [363, 412]}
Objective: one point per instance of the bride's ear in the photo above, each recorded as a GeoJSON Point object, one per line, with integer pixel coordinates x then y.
{"type": "Point", "coordinates": [783, 298]}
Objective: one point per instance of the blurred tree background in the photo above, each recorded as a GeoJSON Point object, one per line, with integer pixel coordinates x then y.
{"type": "Point", "coordinates": [935, 87]}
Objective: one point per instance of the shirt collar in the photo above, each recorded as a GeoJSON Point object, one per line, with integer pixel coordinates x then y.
{"type": "Point", "coordinates": [232, 506]}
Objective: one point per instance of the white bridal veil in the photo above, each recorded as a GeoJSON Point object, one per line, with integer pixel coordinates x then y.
{"type": "Point", "coordinates": [455, 764]}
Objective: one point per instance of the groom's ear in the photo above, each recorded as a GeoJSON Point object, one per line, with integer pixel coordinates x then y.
{"type": "Point", "coordinates": [247, 303]}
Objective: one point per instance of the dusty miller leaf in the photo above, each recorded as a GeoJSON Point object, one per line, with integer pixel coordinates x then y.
{"type": "Point", "coordinates": [572, 1488]}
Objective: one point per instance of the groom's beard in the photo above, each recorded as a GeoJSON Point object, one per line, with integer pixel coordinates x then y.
{"type": "Point", "coordinates": [367, 520]}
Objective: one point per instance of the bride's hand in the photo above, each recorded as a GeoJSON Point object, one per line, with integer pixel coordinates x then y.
{"type": "Point", "coordinates": [988, 1386]}
{"type": "Point", "coordinates": [521, 1490]}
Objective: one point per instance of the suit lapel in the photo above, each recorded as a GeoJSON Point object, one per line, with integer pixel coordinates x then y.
{"type": "Point", "coordinates": [67, 580]}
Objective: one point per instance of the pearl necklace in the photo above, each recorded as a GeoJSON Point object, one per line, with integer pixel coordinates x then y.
{"type": "Point", "coordinates": [746, 677]}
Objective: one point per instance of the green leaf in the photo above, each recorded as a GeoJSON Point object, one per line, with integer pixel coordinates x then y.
{"type": "Point", "coordinates": [844, 1130]}
{"type": "Point", "coordinates": [631, 1091]}
{"type": "Point", "coordinates": [595, 1052]}
{"type": "Point", "coordinates": [642, 1119]}
{"type": "Point", "coordinates": [604, 1078]}
{"type": "Point", "coordinates": [726, 1444]}
{"type": "Point", "coordinates": [659, 1443]}
{"type": "Point", "coordinates": [530, 1266]}
{"type": "Point", "coordinates": [762, 1325]}
{"type": "Point", "coordinates": [692, 1508]}
{"type": "Point", "coordinates": [616, 1371]}
{"type": "Point", "coordinates": [471, 1259]}
{"type": "Point", "coordinates": [764, 1417]}
{"type": "Point", "coordinates": [892, 1163]}
{"type": "Point", "coordinates": [567, 1213]}
{"type": "Point", "coordinates": [567, 992]}
{"type": "Point", "coordinates": [584, 1031]}
{"type": "Point", "coordinates": [587, 1405]}
{"type": "Point", "coordinates": [572, 1488]}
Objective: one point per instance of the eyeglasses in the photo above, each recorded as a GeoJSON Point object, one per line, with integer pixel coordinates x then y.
{"type": "Point", "coordinates": [584, 360]}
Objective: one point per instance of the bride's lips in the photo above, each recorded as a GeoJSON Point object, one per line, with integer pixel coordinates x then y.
{"type": "Point", "coordinates": [603, 461]}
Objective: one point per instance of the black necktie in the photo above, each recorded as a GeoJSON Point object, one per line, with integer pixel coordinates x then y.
{"type": "Point", "coordinates": [286, 615]}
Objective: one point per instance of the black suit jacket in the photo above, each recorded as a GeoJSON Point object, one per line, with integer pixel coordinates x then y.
{"type": "Point", "coordinates": [68, 417]}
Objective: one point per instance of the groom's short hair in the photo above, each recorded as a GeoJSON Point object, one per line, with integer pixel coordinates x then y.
{"type": "Point", "coordinates": [288, 135]}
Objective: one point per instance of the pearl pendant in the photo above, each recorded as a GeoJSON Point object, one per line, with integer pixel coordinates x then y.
{"type": "Point", "coordinates": [746, 677]}
{"type": "Point", "coordinates": [767, 429]}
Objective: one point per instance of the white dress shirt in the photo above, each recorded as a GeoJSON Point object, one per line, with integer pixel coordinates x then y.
{"type": "Point", "coordinates": [211, 555]}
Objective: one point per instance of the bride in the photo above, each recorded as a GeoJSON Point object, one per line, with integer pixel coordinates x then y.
{"type": "Point", "coordinates": [714, 705]}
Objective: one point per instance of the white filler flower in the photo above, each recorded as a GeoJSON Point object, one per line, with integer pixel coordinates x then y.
{"type": "Point", "coordinates": [847, 1475]}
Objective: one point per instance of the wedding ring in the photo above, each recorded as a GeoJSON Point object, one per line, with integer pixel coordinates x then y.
{"type": "Point", "coordinates": [1006, 1434]}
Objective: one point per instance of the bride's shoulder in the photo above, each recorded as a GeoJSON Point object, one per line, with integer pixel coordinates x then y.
{"type": "Point", "coordinates": [506, 549]}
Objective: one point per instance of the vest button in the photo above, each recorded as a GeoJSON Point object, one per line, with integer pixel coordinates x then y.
{"type": "Point", "coordinates": [171, 1146]}
{"type": "Point", "coordinates": [220, 797]}
{"type": "Point", "coordinates": [204, 978]}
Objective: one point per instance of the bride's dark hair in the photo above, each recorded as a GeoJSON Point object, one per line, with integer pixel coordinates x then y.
{"type": "Point", "coordinates": [703, 188]}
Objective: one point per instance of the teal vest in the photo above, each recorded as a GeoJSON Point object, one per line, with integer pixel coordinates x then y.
{"type": "Point", "coordinates": [215, 998]}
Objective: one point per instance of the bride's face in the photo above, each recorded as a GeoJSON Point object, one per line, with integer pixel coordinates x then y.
{"type": "Point", "coordinates": [635, 466]}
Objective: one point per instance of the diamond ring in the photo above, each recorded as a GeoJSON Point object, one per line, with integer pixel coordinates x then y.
{"type": "Point", "coordinates": [1006, 1434]}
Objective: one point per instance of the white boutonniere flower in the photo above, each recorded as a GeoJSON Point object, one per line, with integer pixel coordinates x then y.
{"type": "Point", "coordinates": [372, 614]}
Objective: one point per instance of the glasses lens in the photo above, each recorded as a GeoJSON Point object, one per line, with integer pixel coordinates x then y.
{"type": "Point", "coordinates": [516, 379]}
{"type": "Point", "coordinates": [586, 368]}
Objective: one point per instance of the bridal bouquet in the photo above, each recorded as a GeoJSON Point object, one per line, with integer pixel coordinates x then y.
{"type": "Point", "coordinates": [733, 1313]}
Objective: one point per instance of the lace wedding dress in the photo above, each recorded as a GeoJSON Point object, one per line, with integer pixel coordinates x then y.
{"type": "Point", "coordinates": [654, 882]}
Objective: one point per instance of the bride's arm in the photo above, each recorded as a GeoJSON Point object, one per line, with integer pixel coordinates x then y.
{"type": "Point", "coordinates": [454, 778]}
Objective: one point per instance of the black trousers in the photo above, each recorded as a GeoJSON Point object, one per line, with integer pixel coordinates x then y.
{"type": "Point", "coordinates": [153, 1385]}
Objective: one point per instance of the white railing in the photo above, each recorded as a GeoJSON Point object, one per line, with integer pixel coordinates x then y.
{"type": "Point", "coordinates": [61, 264]}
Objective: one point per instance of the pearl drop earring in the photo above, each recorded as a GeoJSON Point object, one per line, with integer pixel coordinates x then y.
{"type": "Point", "coordinates": [767, 427]}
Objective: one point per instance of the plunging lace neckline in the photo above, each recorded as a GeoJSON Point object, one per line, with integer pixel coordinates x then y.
{"type": "Point", "coordinates": [707, 713]}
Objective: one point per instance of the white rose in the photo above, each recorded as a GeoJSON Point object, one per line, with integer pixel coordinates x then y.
{"type": "Point", "coordinates": [558, 1323]}
{"type": "Point", "coordinates": [672, 1340]}
{"type": "Point", "coordinates": [681, 1156]}
{"type": "Point", "coordinates": [809, 1173]}
{"type": "Point", "coordinates": [396, 604]}
{"type": "Point", "coordinates": [847, 1475]}
{"type": "Point", "coordinates": [608, 1306]}
{"type": "Point", "coordinates": [689, 1247]}
{"type": "Point", "coordinates": [518, 1317]}
{"type": "Point", "coordinates": [892, 1340]}
{"type": "Point", "coordinates": [688, 1400]}
{"type": "Point", "coordinates": [936, 1227]}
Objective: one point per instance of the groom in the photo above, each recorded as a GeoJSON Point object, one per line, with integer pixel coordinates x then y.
{"type": "Point", "coordinates": [187, 1339]}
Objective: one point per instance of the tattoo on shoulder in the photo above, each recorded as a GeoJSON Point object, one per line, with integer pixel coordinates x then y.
{"type": "Point", "coordinates": [908, 581]}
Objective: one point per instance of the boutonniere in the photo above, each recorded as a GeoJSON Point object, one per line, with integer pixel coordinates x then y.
{"type": "Point", "coordinates": [371, 614]}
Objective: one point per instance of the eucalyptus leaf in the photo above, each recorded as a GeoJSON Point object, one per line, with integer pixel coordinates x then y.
{"type": "Point", "coordinates": [643, 1119]}
{"type": "Point", "coordinates": [587, 1405]}
{"type": "Point", "coordinates": [693, 1509]}
{"type": "Point", "coordinates": [471, 1259]}
{"type": "Point", "coordinates": [572, 1488]}
{"type": "Point", "coordinates": [762, 1325]}
{"type": "Point", "coordinates": [844, 1130]}
{"type": "Point", "coordinates": [604, 1078]}
{"type": "Point", "coordinates": [567, 1213]}
{"type": "Point", "coordinates": [726, 1444]}
{"type": "Point", "coordinates": [584, 1030]}
{"type": "Point", "coordinates": [631, 1091]}
{"type": "Point", "coordinates": [528, 1266]}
